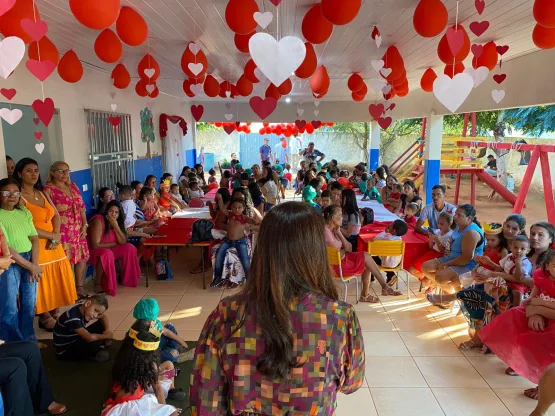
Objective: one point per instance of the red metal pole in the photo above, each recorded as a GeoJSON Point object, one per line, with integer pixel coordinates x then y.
{"type": "Point", "coordinates": [547, 187]}
{"type": "Point", "coordinates": [458, 188]}
{"type": "Point", "coordinates": [474, 124]}
{"type": "Point", "coordinates": [424, 124]}
{"type": "Point", "coordinates": [526, 181]}
{"type": "Point", "coordinates": [465, 124]}
{"type": "Point", "coordinates": [473, 189]}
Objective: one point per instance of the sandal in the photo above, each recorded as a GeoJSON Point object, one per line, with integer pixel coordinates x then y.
{"type": "Point", "coordinates": [533, 394]}
{"type": "Point", "coordinates": [469, 345]}
{"type": "Point", "coordinates": [440, 304]}
{"type": "Point", "coordinates": [369, 299]}
{"type": "Point", "coordinates": [390, 292]}
{"type": "Point", "coordinates": [510, 372]}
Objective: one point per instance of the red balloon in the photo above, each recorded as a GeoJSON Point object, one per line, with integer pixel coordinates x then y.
{"type": "Point", "coordinates": [427, 80]}
{"type": "Point", "coordinates": [211, 86]}
{"type": "Point", "coordinates": [340, 12]}
{"type": "Point", "coordinates": [544, 37]}
{"type": "Point", "coordinates": [262, 131]}
{"type": "Point", "coordinates": [10, 22]}
{"type": "Point", "coordinates": [48, 51]}
{"type": "Point", "coordinates": [309, 64]}
{"type": "Point", "coordinates": [393, 59]}
{"type": "Point", "coordinates": [108, 46]}
{"type": "Point", "coordinates": [189, 57]}
{"type": "Point", "coordinates": [199, 80]}
{"type": "Point", "coordinates": [315, 27]}
{"type": "Point", "coordinates": [320, 81]}
{"type": "Point", "coordinates": [343, 181]}
{"type": "Point", "coordinates": [268, 130]}
{"type": "Point", "coordinates": [148, 62]}
{"type": "Point", "coordinates": [242, 41]}
{"type": "Point", "coordinates": [121, 77]}
{"type": "Point", "coordinates": [244, 86]}
{"type": "Point", "coordinates": [363, 91]}
{"type": "Point", "coordinates": [444, 52]}
{"type": "Point", "coordinates": [488, 58]}
{"type": "Point", "coordinates": [70, 68]}
{"type": "Point", "coordinates": [309, 128]}
{"type": "Point", "coordinates": [131, 27]}
{"type": "Point", "coordinates": [355, 82]}
{"type": "Point", "coordinates": [544, 13]}
{"type": "Point", "coordinates": [239, 16]}
{"type": "Point", "coordinates": [430, 18]}
{"type": "Point", "coordinates": [286, 87]}
{"type": "Point", "coordinates": [458, 68]}
{"type": "Point", "coordinates": [250, 66]}
{"type": "Point", "coordinates": [357, 98]}
{"type": "Point", "coordinates": [187, 88]}
{"type": "Point", "coordinates": [140, 88]}
{"type": "Point", "coordinates": [272, 91]}
{"type": "Point", "coordinates": [225, 88]}
{"type": "Point", "coordinates": [265, 124]}
{"type": "Point", "coordinates": [95, 14]}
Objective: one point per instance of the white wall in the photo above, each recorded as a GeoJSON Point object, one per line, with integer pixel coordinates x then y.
{"type": "Point", "coordinates": [92, 92]}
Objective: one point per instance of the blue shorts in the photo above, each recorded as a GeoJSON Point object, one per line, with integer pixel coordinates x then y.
{"type": "Point", "coordinates": [458, 269]}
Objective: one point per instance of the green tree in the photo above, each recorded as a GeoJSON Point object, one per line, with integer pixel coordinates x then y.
{"type": "Point", "coordinates": [202, 126]}
{"type": "Point", "coordinates": [533, 121]}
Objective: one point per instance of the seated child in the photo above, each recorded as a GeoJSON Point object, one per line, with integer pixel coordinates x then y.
{"type": "Point", "coordinates": [410, 210]}
{"type": "Point", "coordinates": [395, 195]}
{"type": "Point", "coordinates": [74, 340]}
{"type": "Point", "coordinates": [150, 208]}
{"type": "Point", "coordinates": [194, 190]}
{"type": "Point", "coordinates": [325, 199]}
{"type": "Point", "coordinates": [212, 177]}
{"type": "Point", "coordinates": [137, 381]}
{"type": "Point", "coordinates": [226, 177]}
{"type": "Point", "coordinates": [299, 182]}
{"type": "Point", "coordinates": [237, 224]}
{"type": "Point", "coordinates": [333, 176]}
{"type": "Point", "coordinates": [243, 180]}
{"type": "Point", "coordinates": [392, 232]}
{"type": "Point", "coordinates": [309, 194]}
{"type": "Point", "coordinates": [135, 235]}
{"type": "Point", "coordinates": [174, 192]}
{"type": "Point", "coordinates": [494, 250]}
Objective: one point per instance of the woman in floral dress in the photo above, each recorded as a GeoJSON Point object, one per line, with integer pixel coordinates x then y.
{"type": "Point", "coordinates": [67, 198]}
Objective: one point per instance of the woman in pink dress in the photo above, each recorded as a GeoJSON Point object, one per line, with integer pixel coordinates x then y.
{"type": "Point", "coordinates": [523, 337]}
{"type": "Point", "coordinates": [68, 201]}
{"type": "Point", "coordinates": [108, 243]}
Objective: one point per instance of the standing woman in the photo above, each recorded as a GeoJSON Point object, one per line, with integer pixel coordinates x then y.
{"type": "Point", "coordinates": [18, 284]}
{"type": "Point", "coordinates": [68, 201]}
{"type": "Point", "coordinates": [56, 287]}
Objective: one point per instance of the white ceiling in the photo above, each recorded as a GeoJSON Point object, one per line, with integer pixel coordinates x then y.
{"type": "Point", "coordinates": [174, 23]}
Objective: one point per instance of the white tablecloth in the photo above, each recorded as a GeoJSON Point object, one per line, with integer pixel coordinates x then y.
{"type": "Point", "coordinates": [381, 214]}
{"type": "Point", "coordinates": [201, 213]}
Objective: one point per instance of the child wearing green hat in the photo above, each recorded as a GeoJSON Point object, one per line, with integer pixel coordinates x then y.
{"type": "Point", "coordinates": [309, 193]}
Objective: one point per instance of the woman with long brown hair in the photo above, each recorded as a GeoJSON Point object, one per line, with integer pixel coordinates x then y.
{"type": "Point", "coordinates": [285, 343]}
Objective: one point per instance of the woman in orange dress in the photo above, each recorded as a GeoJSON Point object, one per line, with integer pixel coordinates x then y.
{"type": "Point", "coordinates": [57, 286]}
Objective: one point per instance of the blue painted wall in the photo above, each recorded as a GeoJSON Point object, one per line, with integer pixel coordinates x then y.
{"type": "Point", "coordinates": [374, 158]}
{"type": "Point", "coordinates": [145, 167]}
{"type": "Point", "coordinates": [431, 177]}
{"type": "Point", "coordinates": [84, 177]}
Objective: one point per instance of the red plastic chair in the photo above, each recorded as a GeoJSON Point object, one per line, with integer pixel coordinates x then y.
{"type": "Point", "coordinates": [196, 203]}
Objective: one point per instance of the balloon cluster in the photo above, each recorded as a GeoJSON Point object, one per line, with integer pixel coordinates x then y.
{"type": "Point", "coordinates": [397, 78]}
{"type": "Point", "coordinates": [544, 31]}
{"type": "Point", "coordinates": [358, 87]}
{"type": "Point", "coordinates": [237, 126]}
{"type": "Point", "coordinates": [149, 72]}
{"type": "Point", "coordinates": [317, 25]}
{"type": "Point", "coordinates": [453, 63]}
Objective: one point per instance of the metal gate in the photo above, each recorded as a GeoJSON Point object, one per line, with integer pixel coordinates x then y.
{"type": "Point", "coordinates": [249, 147]}
{"type": "Point", "coordinates": [110, 150]}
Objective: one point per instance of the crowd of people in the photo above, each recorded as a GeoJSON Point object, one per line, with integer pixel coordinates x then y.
{"type": "Point", "coordinates": [502, 276]}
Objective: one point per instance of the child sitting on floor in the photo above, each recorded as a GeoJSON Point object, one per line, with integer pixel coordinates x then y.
{"type": "Point", "coordinates": [137, 387]}
{"type": "Point", "coordinates": [410, 211]}
{"type": "Point", "coordinates": [237, 224]}
{"type": "Point", "coordinates": [195, 191]}
{"type": "Point", "coordinates": [371, 192]}
{"type": "Point", "coordinates": [76, 341]}
{"type": "Point", "coordinates": [392, 232]}
{"type": "Point", "coordinates": [395, 195]}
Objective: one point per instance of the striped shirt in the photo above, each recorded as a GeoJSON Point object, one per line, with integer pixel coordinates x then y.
{"type": "Point", "coordinates": [64, 331]}
{"type": "Point", "coordinates": [139, 214]}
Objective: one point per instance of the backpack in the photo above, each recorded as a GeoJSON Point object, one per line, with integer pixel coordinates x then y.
{"type": "Point", "coordinates": [367, 216]}
{"type": "Point", "coordinates": [163, 271]}
{"type": "Point", "coordinates": [202, 231]}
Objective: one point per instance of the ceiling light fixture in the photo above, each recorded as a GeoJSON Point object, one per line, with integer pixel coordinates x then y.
{"type": "Point", "coordinates": [288, 100]}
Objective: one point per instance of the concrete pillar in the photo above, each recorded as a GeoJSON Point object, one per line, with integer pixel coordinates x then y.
{"type": "Point", "coordinates": [3, 169]}
{"type": "Point", "coordinates": [432, 154]}
{"type": "Point", "coordinates": [374, 153]}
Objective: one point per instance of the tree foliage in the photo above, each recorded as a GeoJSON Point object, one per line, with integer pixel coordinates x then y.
{"type": "Point", "coordinates": [533, 121]}
{"type": "Point", "coordinates": [202, 126]}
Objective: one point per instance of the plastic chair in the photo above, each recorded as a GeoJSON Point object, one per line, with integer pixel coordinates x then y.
{"type": "Point", "coordinates": [387, 248]}
{"type": "Point", "coordinates": [334, 259]}
{"type": "Point", "coordinates": [196, 203]}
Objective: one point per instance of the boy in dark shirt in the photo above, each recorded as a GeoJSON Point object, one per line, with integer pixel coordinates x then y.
{"type": "Point", "coordinates": [74, 340]}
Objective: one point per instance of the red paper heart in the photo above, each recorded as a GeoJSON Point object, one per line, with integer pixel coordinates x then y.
{"type": "Point", "coordinates": [478, 28]}
{"type": "Point", "coordinates": [300, 124]}
{"type": "Point", "coordinates": [480, 6]}
{"type": "Point", "coordinates": [391, 107]}
{"type": "Point", "coordinates": [44, 110]}
{"type": "Point", "coordinates": [197, 111]}
{"type": "Point", "coordinates": [40, 69]}
{"type": "Point", "coordinates": [114, 121]}
{"type": "Point", "coordinates": [477, 50]}
{"type": "Point", "coordinates": [316, 123]}
{"type": "Point", "coordinates": [385, 122]}
{"type": "Point", "coordinates": [178, 155]}
{"type": "Point", "coordinates": [275, 2]}
{"type": "Point", "coordinates": [38, 135]}
{"type": "Point", "coordinates": [8, 93]}
{"type": "Point", "coordinates": [237, 123]}
{"type": "Point", "coordinates": [387, 96]}
{"type": "Point", "coordinates": [376, 111]}
{"type": "Point", "coordinates": [6, 5]}
{"type": "Point", "coordinates": [36, 121]}
{"type": "Point", "coordinates": [263, 107]}
{"type": "Point", "coordinates": [229, 129]}
{"type": "Point", "coordinates": [502, 50]}
{"type": "Point", "coordinates": [375, 32]}
{"type": "Point", "coordinates": [455, 39]}
{"type": "Point", "coordinates": [36, 30]}
{"type": "Point", "coordinates": [499, 78]}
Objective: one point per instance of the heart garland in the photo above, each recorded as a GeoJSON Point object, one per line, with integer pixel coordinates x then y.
{"type": "Point", "coordinates": [263, 107]}
{"type": "Point", "coordinates": [229, 129]}
{"type": "Point", "coordinates": [479, 75]}
{"type": "Point", "coordinates": [196, 68]}
{"type": "Point", "coordinates": [114, 107]}
{"type": "Point", "coordinates": [477, 50]}
{"type": "Point", "coordinates": [11, 116]}
{"type": "Point", "coordinates": [385, 122]}
{"type": "Point", "coordinates": [36, 30]}
{"type": "Point", "coordinates": [39, 147]}
{"type": "Point", "coordinates": [502, 50]}
{"type": "Point", "coordinates": [8, 93]}
{"type": "Point", "coordinates": [478, 28]}
{"type": "Point", "coordinates": [376, 36]}
{"type": "Point", "coordinates": [455, 39]}
{"type": "Point", "coordinates": [377, 65]}
{"type": "Point", "coordinates": [40, 69]}
{"type": "Point", "coordinates": [36, 120]}
{"type": "Point", "coordinates": [44, 110]}
{"type": "Point", "coordinates": [376, 110]}
{"type": "Point", "coordinates": [263, 19]}
{"type": "Point", "coordinates": [275, 2]}
{"type": "Point", "coordinates": [300, 124]}
{"type": "Point", "coordinates": [499, 78]}
{"type": "Point", "coordinates": [498, 95]}
{"type": "Point", "coordinates": [300, 112]}
{"type": "Point", "coordinates": [452, 92]}
{"type": "Point", "coordinates": [38, 135]}
{"type": "Point", "coordinates": [197, 111]}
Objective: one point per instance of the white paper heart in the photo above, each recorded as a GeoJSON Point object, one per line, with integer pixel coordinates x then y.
{"type": "Point", "coordinates": [196, 89]}
{"type": "Point", "coordinates": [378, 41]}
{"type": "Point", "coordinates": [386, 72]}
{"type": "Point", "coordinates": [12, 50]}
{"type": "Point", "coordinates": [277, 60]}
{"type": "Point", "coordinates": [39, 147]}
{"type": "Point", "coordinates": [228, 94]}
{"type": "Point", "coordinates": [11, 116]}
{"type": "Point", "coordinates": [498, 95]}
{"type": "Point", "coordinates": [196, 68]}
{"type": "Point", "coordinates": [228, 117]}
{"type": "Point", "coordinates": [316, 104]}
{"type": "Point", "coordinates": [114, 106]}
{"type": "Point", "coordinates": [263, 19]}
{"type": "Point", "coordinates": [150, 88]}
{"type": "Point", "coordinates": [377, 64]}
{"type": "Point", "coordinates": [149, 72]}
{"type": "Point", "coordinates": [194, 48]}
{"type": "Point", "coordinates": [300, 112]}
{"type": "Point", "coordinates": [376, 84]}
{"type": "Point", "coordinates": [479, 75]}
{"type": "Point", "coordinates": [316, 112]}
{"type": "Point", "coordinates": [453, 92]}
{"type": "Point", "coordinates": [113, 95]}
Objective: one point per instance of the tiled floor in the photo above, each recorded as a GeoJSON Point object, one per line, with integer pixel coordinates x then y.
{"type": "Point", "coordinates": [413, 365]}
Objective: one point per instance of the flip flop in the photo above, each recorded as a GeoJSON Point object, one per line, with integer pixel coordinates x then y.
{"type": "Point", "coordinates": [390, 292]}
{"type": "Point", "coordinates": [533, 393]}
{"type": "Point", "coordinates": [510, 372]}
